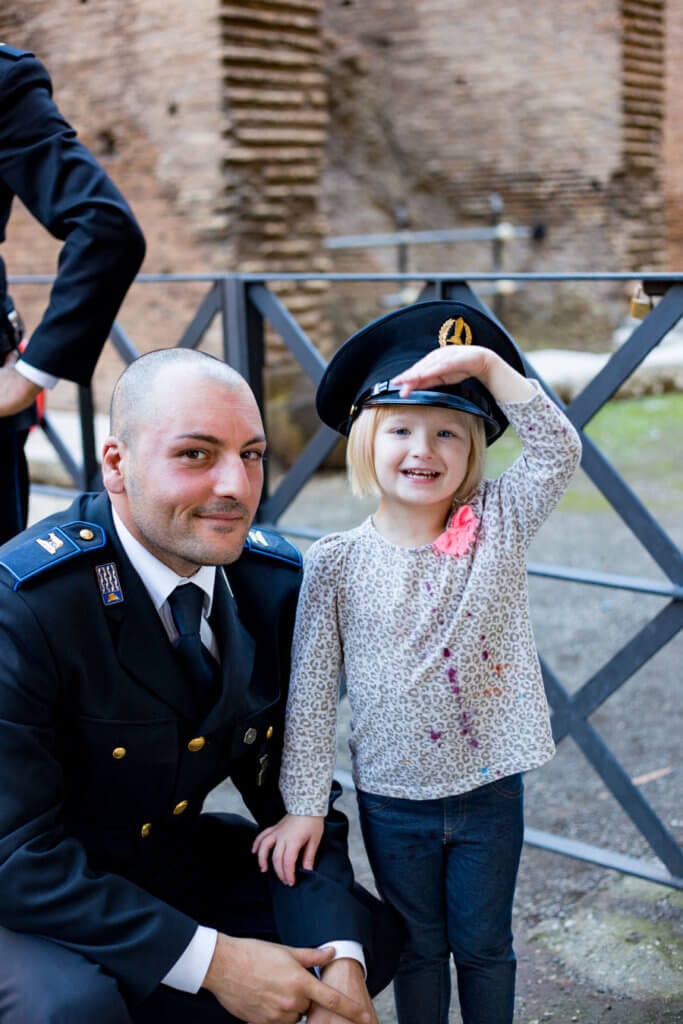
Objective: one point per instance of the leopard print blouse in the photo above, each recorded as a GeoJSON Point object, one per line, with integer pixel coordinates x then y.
{"type": "Point", "coordinates": [442, 673]}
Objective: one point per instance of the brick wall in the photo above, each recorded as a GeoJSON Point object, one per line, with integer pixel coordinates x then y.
{"type": "Point", "coordinates": [211, 118]}
{"type": "Point", "coordinates": [275, 130]}
{"type": "Point", "coordinates": [125, 81]}
{"type": "Point", "coordinates": [521, 102]}
{"type": "Point", "coordinates": [242, 131]}
{"type": "Point", "coordinates": [558, 108]}
{"type": "Point", "coordinates": [643, 85]}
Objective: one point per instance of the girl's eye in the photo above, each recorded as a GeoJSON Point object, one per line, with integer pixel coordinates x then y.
{"type": "Point", "coordinates": [401, 431]}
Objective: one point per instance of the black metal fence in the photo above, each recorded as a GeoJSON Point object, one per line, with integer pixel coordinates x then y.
{"type": "Point", "coordinates": [245, 303]}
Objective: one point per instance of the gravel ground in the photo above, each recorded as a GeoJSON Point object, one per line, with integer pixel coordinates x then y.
{"type": "Point", "coordinates": [593, 946]}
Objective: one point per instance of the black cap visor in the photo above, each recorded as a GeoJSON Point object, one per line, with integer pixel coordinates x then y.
{"type": "Point", "coordinates": [386, 394]}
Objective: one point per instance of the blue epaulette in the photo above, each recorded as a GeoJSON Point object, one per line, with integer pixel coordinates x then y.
{"type": "Point", "coordinates": [12, 51]}
{"type": "Point", "coordinates": [271, 544]}
{"type": "Point", "coordinates": [54, 546]}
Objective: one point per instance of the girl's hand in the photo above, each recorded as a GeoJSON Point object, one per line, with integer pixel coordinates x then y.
{"type": "Point", "coordinates": [453, 363]}
{"type": "Point", "coordinates": [285, 841]}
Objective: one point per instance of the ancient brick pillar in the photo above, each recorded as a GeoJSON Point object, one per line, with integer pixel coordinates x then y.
{"type": "Point", "coordinates": [275, 129]}
{"type": "Point", "coordinates": [643, 96]}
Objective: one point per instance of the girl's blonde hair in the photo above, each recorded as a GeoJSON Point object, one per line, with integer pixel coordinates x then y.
{"type": "Point", "coordinates": [360, 462]}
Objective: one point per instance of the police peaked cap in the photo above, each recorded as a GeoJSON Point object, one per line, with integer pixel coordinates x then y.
{"type": "Point", "coordinates": [360, 373]}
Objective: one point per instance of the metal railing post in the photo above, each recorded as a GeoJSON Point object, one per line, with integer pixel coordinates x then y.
{"type": "Point", "coordinates": [496, 207]}
{"type": "Point", "coordinates": [90, 469]}
{"type": "Point", "coordinates": [243, 346]}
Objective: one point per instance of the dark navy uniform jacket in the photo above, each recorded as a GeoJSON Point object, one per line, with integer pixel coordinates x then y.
{"type": "Point", "coordinates": [65, 188]}
{"type": "Point", "coordinates": [105, 760]}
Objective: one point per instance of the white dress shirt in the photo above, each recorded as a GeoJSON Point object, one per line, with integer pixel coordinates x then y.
{"type": "Point", "coordinates": [189, 971]}
{"type": "Point", "coordinates": [36, 376]}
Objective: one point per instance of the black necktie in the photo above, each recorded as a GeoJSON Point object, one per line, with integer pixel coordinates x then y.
{"type": "Point", "coordinates": [186, 604]}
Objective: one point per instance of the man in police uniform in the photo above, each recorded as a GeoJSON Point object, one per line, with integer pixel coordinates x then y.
{"type": "Point", "coordinates": [119, 899]}
{"type": "Point", "coordinates": [63, 186]}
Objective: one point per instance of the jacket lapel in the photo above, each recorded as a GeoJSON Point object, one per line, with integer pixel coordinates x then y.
{"type": "Point", "coordinates": [237, 657]}
{"type": "Point", "coordinates": [142, 646]}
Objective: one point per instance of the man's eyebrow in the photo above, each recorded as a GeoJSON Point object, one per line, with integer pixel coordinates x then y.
{"type": "Point", "coordinates": [210, 439]}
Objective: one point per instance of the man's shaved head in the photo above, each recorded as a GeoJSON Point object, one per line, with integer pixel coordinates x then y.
{"type": "Point", "coordinates": [183, 465]}
{"type": "Point", "coordinates": [154, 378]}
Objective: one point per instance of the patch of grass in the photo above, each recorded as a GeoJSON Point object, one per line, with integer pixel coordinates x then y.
{"type": "Point", "coordinates": [583, 497]}
{"type": "Point", "coordinates": [641, 437]}
{"type": "Point", "coordinates": [641, 431]}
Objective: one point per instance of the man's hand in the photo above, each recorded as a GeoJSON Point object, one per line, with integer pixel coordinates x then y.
{"type": "Point", "coordinates": [16, 391]}
{"type": "Point", "coordinates": [346, 976]}
{"type": "Point", "coordinates": [265, 983]}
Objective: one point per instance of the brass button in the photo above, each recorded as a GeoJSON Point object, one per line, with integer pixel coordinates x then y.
{"type": "Point", "coordinates": [180, 807]}
{"type": "Point", "coordinates": [250, 735]}
{"type": "Point", "coordinates": [269, 732]}
{"type": "Point", "coordinates": [119, 752]}
{"type": "Point", "coordinates": [86, 535]}
{"type": "Point", "coordinates": [146, 829]}
{"type": "Point", "coordinates": [198, 743]}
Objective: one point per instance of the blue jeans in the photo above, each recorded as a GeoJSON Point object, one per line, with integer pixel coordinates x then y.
{"type": "Point", "coordinates": [449, 868]}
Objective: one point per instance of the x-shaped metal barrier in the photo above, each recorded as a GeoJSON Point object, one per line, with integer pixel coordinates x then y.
{"type": "Point", "coordinates": [245, 303]}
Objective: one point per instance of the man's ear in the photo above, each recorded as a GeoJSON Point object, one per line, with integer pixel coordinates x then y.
{"type": "Point", "coordinates": [113, 462]}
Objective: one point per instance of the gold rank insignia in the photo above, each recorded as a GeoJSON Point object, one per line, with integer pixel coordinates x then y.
{"type": "Point", "coordinates": [109, 583]}
{"type": "Point", "coordinates": [462, 332]}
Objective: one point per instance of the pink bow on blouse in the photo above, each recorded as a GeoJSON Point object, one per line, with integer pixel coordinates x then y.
{"type": "Point", "coordinates": [459, 534]}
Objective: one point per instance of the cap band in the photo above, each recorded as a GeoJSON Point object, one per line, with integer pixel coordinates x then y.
{"type": "Point", "coordinates": [384, 393]}
{"type": "Point", "coordinates": [377, 389]}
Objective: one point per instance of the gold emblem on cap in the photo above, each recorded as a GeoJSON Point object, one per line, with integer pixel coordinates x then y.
{"type": "Point", "coordinates": [85, 534]}
{"type": "Point", "coordinates": [462, 332]}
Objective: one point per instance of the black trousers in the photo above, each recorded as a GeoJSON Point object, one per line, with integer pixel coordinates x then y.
{"type": "Point", "coordinates": [41, 982]}
{"type": "Point", "coordinates": [14, 483]}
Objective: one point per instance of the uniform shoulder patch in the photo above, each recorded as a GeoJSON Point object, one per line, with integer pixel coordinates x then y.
{"type": "Point", "coordinates": [40, 552]}
{"type": "Point", "coordinates": [272, 545]}
{"type": "Point", "coordinates": [12, 52]}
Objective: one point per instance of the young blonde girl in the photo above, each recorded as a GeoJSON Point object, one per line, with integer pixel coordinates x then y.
{"type": "Point", "coordinates": [425, 608]}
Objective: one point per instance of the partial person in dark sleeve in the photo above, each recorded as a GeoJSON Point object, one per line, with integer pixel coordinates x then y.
{"type": "Point", "coordinates": [43, 163]}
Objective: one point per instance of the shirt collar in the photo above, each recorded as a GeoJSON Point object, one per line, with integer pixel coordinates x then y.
{"type": "Point", "coordinates": [160, 581]}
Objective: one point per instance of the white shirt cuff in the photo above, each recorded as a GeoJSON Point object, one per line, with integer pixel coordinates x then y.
{"type": "Point", "coordinates": [36, 376]}
{"type": "Point", "coordinates": [189, 971]}
{"type": "Point", "coordinates": [348, 948]}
